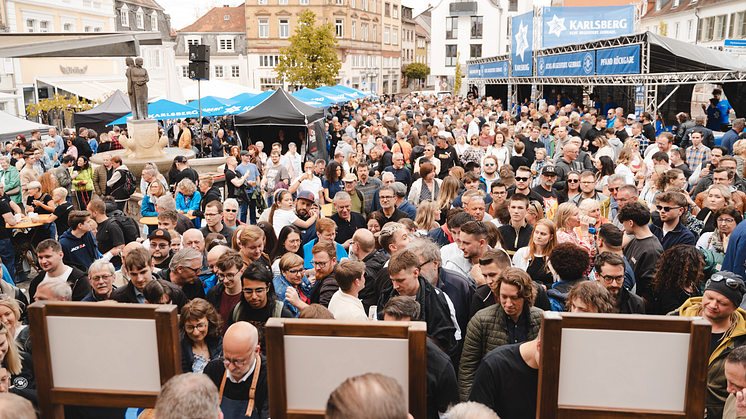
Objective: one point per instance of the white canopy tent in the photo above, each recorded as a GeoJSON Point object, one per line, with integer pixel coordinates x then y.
{"type": "Point", "coordinates": [10, 126]}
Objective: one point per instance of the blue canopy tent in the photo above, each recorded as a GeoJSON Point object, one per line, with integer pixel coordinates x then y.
{"type": "Point", "coordinates": [364, 93]}
{"type": "Point", "coordinates": [348, 90]}
{"type": "Point", "coordinates": [163, 109]}
{"type": "Point", "coordinates": [243, 97]}
{"type": "Point", "coordinates": [215, 106]}
{"type": "Point", "coordinates": [337, 95]}
{"type": "Point", "coordinates": [313, 98]}
{"type": "Point", "coordinates": [250, 103]}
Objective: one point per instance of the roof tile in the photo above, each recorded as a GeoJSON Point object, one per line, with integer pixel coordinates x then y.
{"type": "Point", "coordinates": [214, 20]}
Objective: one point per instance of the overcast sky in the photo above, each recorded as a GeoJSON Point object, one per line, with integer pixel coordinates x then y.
{"type": "Point", "coordinates": [185, 12]}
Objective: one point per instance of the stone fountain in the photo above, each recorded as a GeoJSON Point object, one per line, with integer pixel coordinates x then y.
{"type": "Point", "coordinates": [144, 145]}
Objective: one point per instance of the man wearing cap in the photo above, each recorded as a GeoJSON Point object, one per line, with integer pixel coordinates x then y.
{"type": "Point", "coordinates": [347, 220]}
{"type": "Point", "coordinates": [303, 203]}
{"type": "Point", "coordinates": [182, 165]}
{"type": "Point", "coordinates": [357, 198]}
{"type": "Point", "coordinates": [307, 181]}
{"type": "Point", "coordinates": [160, 248]}
{"type": "Point", "coordinates": [719, 305]}
{"type": "Point", "coordinates": [545, 189]}
{"type": "Point", "coordinates": [547, 139]}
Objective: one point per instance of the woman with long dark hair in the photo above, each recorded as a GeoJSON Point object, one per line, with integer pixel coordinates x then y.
{"type": "Point", "coordinates": [333, 181]}
{"type": "Point", "coordinates": [258, 301]}
{"type": "Point", "coordinates": [605, 167]}
{"type": "Point", "coordinates": [534, 258]}
{"type": "Point", "coordinates": [678, 275]}
{"type": "Point", "coordinates": [288, 241]}
{"type": "Point", "coordinates": [83, 180]}
{"type": "Point", "coordinates": [572, 186]}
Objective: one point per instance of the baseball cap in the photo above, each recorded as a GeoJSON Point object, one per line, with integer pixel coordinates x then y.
{"type": "Point", "coordinates": [180, 159]}
{"type": "Point", "coordinates": [545, 125]}
{"type": "Point", "coordinates": [728, 284]}
{"type": "Point", "coordinates": [631, 116]}
{"type": "Point", "coordinates": [159, 233]}
{"type": "Point", "coordinates": [548, 169]}
{"type": "Point", "coordinates": [349, 178]}
{"type": "Point", "coordinates": [307, 195]}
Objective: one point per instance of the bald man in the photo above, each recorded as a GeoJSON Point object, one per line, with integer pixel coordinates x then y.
{"type": "Point", "coordinates": [363, 246]}
{"type": "Point", "coordinates": [242, 367]}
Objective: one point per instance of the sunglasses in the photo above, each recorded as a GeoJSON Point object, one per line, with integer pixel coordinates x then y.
{"type": "Point", "coordinates": [230, 210]}
{"type": "Point", "coordinates": [573, 180]}
{"type": "Point", "coordinates": [521, 179]}
{"type": "Point", "coordinates": [729, 282]}
{"type": "Point", "coordinates": [665, 209]}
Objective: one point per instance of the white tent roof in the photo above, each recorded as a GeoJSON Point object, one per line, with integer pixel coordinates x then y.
{"type": "Point", "coordinates": [216, 88]}
{"type": "Point", "coordinates": [10, 126]}
{"type": "Point", "coordinates": [95, 86]}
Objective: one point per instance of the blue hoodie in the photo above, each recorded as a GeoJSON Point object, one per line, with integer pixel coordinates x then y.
{"type": "Point", "coordinates": [82, 251]}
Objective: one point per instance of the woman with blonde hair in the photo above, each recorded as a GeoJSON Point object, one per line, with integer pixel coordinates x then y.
{"type": "Point", "coordinates": [428, 214]}
{"type": "Point", "coordinates": [637, 161]}
{"type": "Point", "coordinates": [650, 189]}
{"type": "Point", "coordinates": [250, 243]}
{"type": "Point", "coordinates": [623, 165]}
{"type": "Point", "coordinates": [591, 208]}
{"type": "Point", "coordinates": [48, 183]}
{"type": "Point", "coordinates": [567, 219]}
{"type": "Point", "coordinates": [461, 145]}
{"type": "Point", "coordinates": [18, 363]}
{"type": "Point", "coordinates": [534, 213]}
{"type": "Point", "coordinates": [718, 196]}
{"type": "Point", "coordinates": [155, 191]}
{"type": "Point", "coordinates": [448, 192]}
{"type": "Point", "coordinates": [10, 313]}
{"type": "Point", "coordinates": [188, 198]}
{"type": "Point", "coordinates": [534, 257]}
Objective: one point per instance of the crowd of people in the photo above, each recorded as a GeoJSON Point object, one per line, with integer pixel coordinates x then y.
{"type": "Point", "coordinates": [450, 211]}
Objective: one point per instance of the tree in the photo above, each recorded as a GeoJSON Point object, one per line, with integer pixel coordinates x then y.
{"type": "Point", "coordinates": [663, 28]}
{"type": "Point", "coordinates": [311, 59]}
{"type": "Point", "coordinates": [417, 71]}
{"type": "Point", "coordinates": [459, 74]}
{"type": "Point", "coordinates": [58, 104]}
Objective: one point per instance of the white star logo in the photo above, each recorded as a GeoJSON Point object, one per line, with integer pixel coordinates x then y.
{"type": "Point", "coordinates": [556, 26]}
{"type": "Point", "coordinates": [521, 40]}
{"type": "Point", "coordinates": [233, 109]}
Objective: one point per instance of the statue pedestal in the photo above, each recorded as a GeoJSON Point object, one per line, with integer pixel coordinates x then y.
{"type": "Point", "coordinates": [143, 140]}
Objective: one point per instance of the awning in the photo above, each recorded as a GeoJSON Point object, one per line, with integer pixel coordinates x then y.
{"type": "Point", "coordinates": [95, 86]}
{"type": "Point", "coordinates": [55, 44]}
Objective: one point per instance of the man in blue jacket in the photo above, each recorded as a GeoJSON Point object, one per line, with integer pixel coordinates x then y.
{"type": "Point", "coordinates": [78, 244]}
{"type": "Point", "coordinates": [669, 229]}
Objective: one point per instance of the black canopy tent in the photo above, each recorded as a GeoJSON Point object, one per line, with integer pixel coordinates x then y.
{"type": "Point", "coordinates": [113, 108]}
{"type": "Point", "coordinates": [280, 111]}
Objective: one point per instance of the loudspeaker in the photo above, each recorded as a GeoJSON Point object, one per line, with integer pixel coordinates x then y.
{"type": "Point", "coordinates": [199, 70]}
{"type": "Point", "coordinates": [199, 53]}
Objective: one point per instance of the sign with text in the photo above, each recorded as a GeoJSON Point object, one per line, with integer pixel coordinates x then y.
{"type": "Point", "coordinates": [573, 64]}
{"type": "Point", "coordinates": [639, 101]}
{"type": "Point", "coordinates": [495, 70]}
{"type": "Point", "coordinates": [521, 46]}
{"type": "Point", "coordinates": [735, 46]}
{"type": "Point", "coordinates": [475, 71]}
{"type": "Point", "coordinates": [622, 60]}
{"type": "Point", "coordinates": [573, 25]}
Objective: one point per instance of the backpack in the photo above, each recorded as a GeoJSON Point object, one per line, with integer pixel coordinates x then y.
{"type": "Point", "coordinates": [130, 182]}
{"type": "Point", "coordinates": [129, 227]}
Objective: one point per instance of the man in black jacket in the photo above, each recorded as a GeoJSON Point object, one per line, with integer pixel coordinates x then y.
{"type": "Point", "coordinates": [213, 214]}
{"type": "Point", "coordinates": [50, 256]}
{"type": "Point", "coordinates": [209, 192]}
{"type": "Point", "coordinates": [610, 269]}
{"type": "Point", "coordinates": [404, 270]}
{"type": "Point", "coordinates": [139, 266]}
{"type": "Point", "coordinates": [363, 246]}
{"type": "Point", "coordinates": [227, 292]}
{"type": "Point", "coordinates": [183, 271]}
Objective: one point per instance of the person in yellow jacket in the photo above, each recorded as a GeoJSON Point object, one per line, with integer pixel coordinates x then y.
{"type": "Point", "coordinates": [720, 306]}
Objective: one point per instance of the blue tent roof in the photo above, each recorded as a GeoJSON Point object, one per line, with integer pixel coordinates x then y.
{"type": "Point", "coordinates": [338, 95]}
{"type": "Point", "coordinates": [364, 93]}
{"type": "Point", "coordinates": [215, 106]}
{"type": "Point", "coordinates": [243, 96]}
{"type": "Point", "coordinates": [163, 109]}
{"type": "Point", "coordinates": [251, 103]}
{"type": "Point", "coordinates": [358, 94]}
{"type": "Point", "coordinates": [313, 98]}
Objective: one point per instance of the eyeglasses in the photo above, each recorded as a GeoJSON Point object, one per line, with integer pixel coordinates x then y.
{"type": "Point", "coordinates": [229, 277]}
{"type": "Point", "coordinates": [499, 193]}
{"type": "Point", "coordinates": [295, 271]}
{"type": "Point", "coordinates": [96, 278]}
{"type": "Point", "coordinates": [252, 291]}
{"type": "Point", "coordinates": [238, 364]}
{"type": "Point", "coordinates": [489, 164]}
{"type": "Point", "coordinates": [230, 210]}
{"type": "Point", "coordinates": [386, 197]}
{"type": "Point", "coordinates": [195, 270]}
{"type": "Point", "coordinates": [611, 279]}
{"type": "Point", "coordinates": [521, 179]}
{"type": "Point", "coordinates": [726, 220]}
{"type": "Point", "coordinates": [572, 181]}
{"type": "Point", "coordinates": [613, 189]}
{"type": "Point", "coordinates": [200, 327]}
{"type": "Point", "coordinates": [665, 209]}
{"type": "Point", "coordinates": [158, 246]}
{"type": "Point", "coordinates": [729, 282]}
{"type": "Point", "coordinates": [320, 264]}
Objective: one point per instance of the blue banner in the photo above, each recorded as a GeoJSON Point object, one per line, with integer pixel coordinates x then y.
{"type": "Point", "coordinates": [622, 60]}
{"type": "Point", "coordinates": [639, 101]}
{"type": "Point", "coordinates": [495, 70]}
{"type": "Point", "coordinates": [574, 25]}
{"type": "Point", "coordinates": [521, 46]}
{"type": "Point", "coordinates": [475, 71]}
{"type": "Point", "coordinates": [574, 64]}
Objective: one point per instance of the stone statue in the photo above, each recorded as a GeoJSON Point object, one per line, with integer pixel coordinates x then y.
{"type": "Point", "coordinates": [137, 87]}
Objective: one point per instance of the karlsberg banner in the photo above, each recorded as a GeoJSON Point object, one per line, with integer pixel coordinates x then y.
{"type": "Point", "coordinates": [573, 64]}
{"type": "Point", "coordinates": [496, 70]}
{"type": "Point", "coordinates": [574, 25]}
{"type": "Point", "coordinates": [521, 45]}
{"type": "Point", "coordinates": [621, 60]}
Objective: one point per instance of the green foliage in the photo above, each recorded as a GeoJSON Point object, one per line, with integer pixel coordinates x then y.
{"type": "Point", "coordinates": [663, 28]}
{"type": "Point", "coordinates": [459, 75]}
{"type": "Point", "coordinates": [58, 104]}
{"type": "Point", "coordinates": [417, 71]}
{"type": "Point", "coordinates": [311, 59]}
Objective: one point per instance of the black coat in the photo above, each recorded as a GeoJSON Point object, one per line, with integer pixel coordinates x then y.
{"type": "Point", "coordinates": [78, 281]}
{"type": "Point", "coordinates": [191, 291]}
{"type": "Point", "coordinates": [213, 194]}
{"type": "Point", "coordinates": [126, 294]}
{"type": "Point", "coordinates": [373, 264]}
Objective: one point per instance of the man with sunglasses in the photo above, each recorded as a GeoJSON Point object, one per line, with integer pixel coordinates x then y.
{"type": "Point", "coordinates": [668, 228]}
{"type": "Point", "coordinates": [523, 178]}
{"type": "Point", "coordinates": [227, 292]}
{"type": "Point", "coordinates": [719, 305]}
{"type": "Point", "coordinates": [610, 272]}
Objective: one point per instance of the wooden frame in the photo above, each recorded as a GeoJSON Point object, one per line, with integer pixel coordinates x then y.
{"type": "Point", "coordinates": [277, 328]}
{"type": "Point", "coordinates": [52, 399]}
{"type": "Point", "coordinates": [552, 325]}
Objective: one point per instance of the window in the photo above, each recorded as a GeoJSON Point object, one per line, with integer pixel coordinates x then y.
{"type": "Point", "coordinates": [284, 28]}
{"type": "Point", "coordinates": [153, 58]}
{"type": "Point", "coordinates": [352, 3]}
{"type": "Point", "coordinates": [339, 28]}
{"type": "Point", "coordinates": [741, 25]}
{"type": "Point", "coordinates": [395, 36]}
{"type": "Point", "coordinates": [451, 53]}
{"type": "Point", "coordinates": [140, 19]}
{"type": "Point", "coordinates": [513, 6]}
{"type": "Point", "coordinates": [655, 28]}
{"type": "Point", "coordinates": [706, 29]}
{"type": "Point", "coordinates": [386, 62]}
{"type": "Point", "coordinates": [720, 27]}
{"type": "Point", "coordinates": [43, 26]}
{"type": "Point", "coordinates": [451, 27]}
{"type": "Point", "coordinates": [364, 30]}
{"type": "Point", "coordinates": [269, 83]}
{"type": "Point", "coordinates": [185, 71]}
{"type": "Point", "coordinates": [97, 29]}
{"type": "Point", "coordinates": [386, 32]}
{"type": "Point", "coordinates": [68, 27]}
{"type": "Point", "coordinates": [283, 2]}
{"type": "Point", "coordinates": [375, 33]}
{"type": "Point", "coordinates": [675, 3]}
{"type": "Point", "coordinates": [30, 25]}
{"type": "Point", "coordinates": [353, 32]}
{"type": "Point", "coordinates": [395, 13]}
{"type": "Point", "coordinates": [261, 2]}
{"type": "Point", "coordinates": [124, 15]}
{"type": "Point", "coordinates": [386, 9]}
{"type": "Point", "coordinates": [373, 6]}
{"type": "Point", "coordinates": [195, 40]}
{"type": "Point", "coordinates": [235, 72]}
{"type": "Point", "coordinates": [475, 51]}
{"type": "Point", "coordinates": [476, 27]}
{"type": "Point", "coordinates": [364, 4]}
{"type": "Point", "coordinates": [88, 29]}
{"type": "Point", "coordinates": [264, 28]}
{"type": "Point", "coordinates": [689, 25]}
{"type": "Point", "coordinates": [676, 30]}
{"type": "Point", "coordinates": [153, 21]}
{"type": "Point", "coordinates": [219, 71]}
{"type": "Point", "coordinates": [304, 2]}
{"type": "Point", "coordinates": [268, 60]}
{"type": "Point", "coordinates": [225, 44]}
